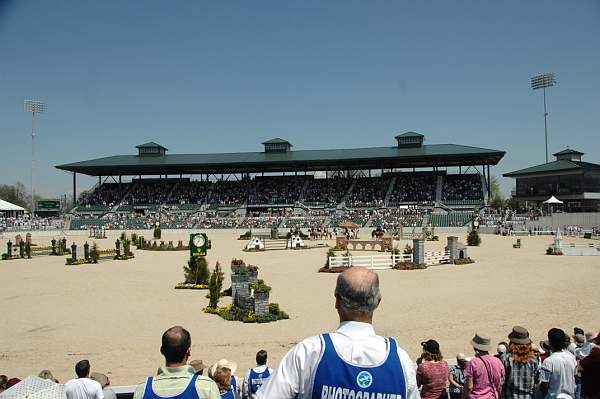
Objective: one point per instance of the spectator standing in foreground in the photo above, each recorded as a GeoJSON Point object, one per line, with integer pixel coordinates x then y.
{"type": "Point", "coordinates": [557, 375]}
{"type": "Point", "coordinates": [457, 376]}
{"type": "Point", "coordinates": [176, 377]}
{"type": "Point", "coordinates": [432, 373]}
{"type": "Point", "coordinates": [485, 373]}
{"type": "Point", "coordinates": [256, 376]}
{"type": "Point", "coordinates": [3, 381]}
{"type": "Point", "coordinates": [351, 361]}
{"type": "Point", "coordinates": [83, 387]}
{"type": "Point", "coordinates": [222, 377]}
{"type": "Point", "coordinates": [234, 385]}
{"type": "Point", "coordinates": [520, 365]}
{"type": "Point", "coordinates": [104, 382]}
{"type": "Point", "coordinates": [590, 372]}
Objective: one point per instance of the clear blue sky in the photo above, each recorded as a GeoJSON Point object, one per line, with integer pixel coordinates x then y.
{"type": "Point", "coordinates": [218, 76]}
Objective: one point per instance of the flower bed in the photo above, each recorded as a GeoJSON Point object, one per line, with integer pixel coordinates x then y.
{"type": "Point", "coordinates": [409, 266]}
{"type": "Point", "coordinates": [71, 262]}
{"type": "Point", "coordinates": [336, 269]}
{"type": "Point", "coordinates": [233, 313]}
{"type": "Point", "coordinates": [191, 286]}
{"type": "Point", "coordinates": [463, 261]}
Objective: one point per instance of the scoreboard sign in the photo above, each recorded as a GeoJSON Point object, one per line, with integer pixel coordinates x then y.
{"type": "Point", "coordinates": [198, 244]}
{"type": "Point", "coordinates": [50, 204]}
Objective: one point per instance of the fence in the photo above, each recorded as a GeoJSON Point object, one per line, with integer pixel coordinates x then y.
{"type": "Point", "coordinates": [374, 262]}
{"type": "Point", "coordinates": [435, 258]}
{"type": "Point", "coordinates": [381, 262]}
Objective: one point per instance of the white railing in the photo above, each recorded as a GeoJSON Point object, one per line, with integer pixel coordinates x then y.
{"type": "Point", "coordinates": [435, 258]}
{"type": "Point", "coordinates": [375, 262]}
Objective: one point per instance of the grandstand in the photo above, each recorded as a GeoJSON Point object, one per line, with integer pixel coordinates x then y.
{"type": "Point", "coordinates": [279, 187]}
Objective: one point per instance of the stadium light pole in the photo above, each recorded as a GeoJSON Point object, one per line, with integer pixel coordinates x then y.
{"type": "Point", "coordinates": [35, 107]}
{"type": "Point", "coordinates": [544, 81]}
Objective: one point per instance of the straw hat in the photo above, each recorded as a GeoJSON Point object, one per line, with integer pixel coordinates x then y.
{"type": "Point", "coordinates": [100, 378]}
{"type": "Point", "coordinates": [519, 335]}
{"type": "Point", "coordinates": [198, 365]}
{"type": "Point", "coordinates": [222, 364]}
{"type": "Point", "coordinates": [482, 342]}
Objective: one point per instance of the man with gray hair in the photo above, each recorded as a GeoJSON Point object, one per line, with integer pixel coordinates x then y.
{"type": "Point", "coordinates": [352, 362]}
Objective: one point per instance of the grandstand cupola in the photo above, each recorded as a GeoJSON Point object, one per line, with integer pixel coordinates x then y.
{"type": "Point", "coordinates": [277, 145]}
{"type": "Point", "coordinates": [410, 139]}
{"type": "Point", "coordinates": [151, 149]}
{"type": "Point", "coordinates": [569, 155]}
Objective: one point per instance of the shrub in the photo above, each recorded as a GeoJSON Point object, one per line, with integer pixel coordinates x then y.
{"type": "Point", "coordinates": [407, 250]}
{"type": "Point", "coordinates": [463, 261]}
{"type": "Point", "coordinates": [409, 266]}
{"type": "Point", "coordinates": [246, 236]}
{"type": "Point", "coordinates": [94, 255]}
{"type": "Point", "coordinates": [214, 286]}
{"type": "Point", "coordinates": [157, 233]}
{"type": "Point", "coordinates": [134, 237]}
{"type": "Point", "coordinates": [123, 236]}
{"type": "Point", "coordinates": [260, 287]}
{"type": "Point", "coordinates": [274, 308]}
{"type": "Point", "coordinates": [473, 239]}
{"type": "Point", "coordinates": [196, 271]}
{"type": "Point", "coordinates": [549, 251]}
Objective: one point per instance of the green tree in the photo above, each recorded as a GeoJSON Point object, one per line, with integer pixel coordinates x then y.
{"type": "Point", "coordinates": [196, 271]}
{"type": "Point", "coordinates": [16, 194]}
{"type": "Point", "coordinates": [473, 239]}
{"type": "Point", "coordinates": [215, 285]}
{"type": "Point", "coordinates": [497, 199]}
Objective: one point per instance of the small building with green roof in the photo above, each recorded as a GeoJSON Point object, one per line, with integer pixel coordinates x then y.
{"type": "Point", "coordinates": [568, 178]}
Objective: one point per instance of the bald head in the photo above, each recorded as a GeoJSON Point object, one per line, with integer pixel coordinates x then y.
{"type": "Point", "coordinates": [357, 292]}
{"type": "Point", "coordinates": [176, 343]}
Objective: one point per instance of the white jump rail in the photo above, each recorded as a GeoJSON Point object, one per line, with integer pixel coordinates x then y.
{"type": "Point", "coordinates": [374, 262]}
{"type": "Point", "coordinates": [436, 258]}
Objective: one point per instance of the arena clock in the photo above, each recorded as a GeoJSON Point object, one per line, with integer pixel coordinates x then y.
{"type": "Point", "coordinates": [198, 244]}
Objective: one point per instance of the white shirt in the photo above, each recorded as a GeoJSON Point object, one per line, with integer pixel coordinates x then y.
{"type": "Point", "coordinates": [354, 342]}
{"type": "Point", "coordinates": [83, 388]}
{"type": "Point", "coordinates": [246, 386]}
{"type": "Point", "coordinates": [558, 371]}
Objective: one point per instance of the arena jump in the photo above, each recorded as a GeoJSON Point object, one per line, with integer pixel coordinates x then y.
{"type": "Point", "coordinates": [453, 252]}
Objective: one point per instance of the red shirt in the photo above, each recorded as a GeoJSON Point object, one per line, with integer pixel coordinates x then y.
{"type": "Point", "coordinates": [433, 376]}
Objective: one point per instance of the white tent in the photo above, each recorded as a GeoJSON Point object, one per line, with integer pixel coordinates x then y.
{"type": "Point", "coordinates": [10, 210]}
{"type": "Point", "coordinates": [553, 200]}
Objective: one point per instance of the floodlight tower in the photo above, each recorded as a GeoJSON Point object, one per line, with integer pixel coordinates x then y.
{"type": "Point", "coordinates": [33, 107]}
{"type": "Point", "coordinates": [544, 81]}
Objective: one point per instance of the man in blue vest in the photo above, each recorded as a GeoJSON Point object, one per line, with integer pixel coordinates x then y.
{"type": "Point", "coordinates": [177, 379]}
{"type": "Point", "coordinates": [256, 376]}
{"type": "Point", "coordinates": [352, 362]}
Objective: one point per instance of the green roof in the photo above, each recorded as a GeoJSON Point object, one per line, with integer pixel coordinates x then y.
{"type": "Point", "coordinates": [150, 144]}
{"type": "Point", "coordinates": [553, 167]}
{"type": "Point", "coordinates": [568, 151]}
{"type": "Point", "coordinates": [276, 140]}
{"type": "Point", "coordinates": [409, 134]}
{"type": "Point", "coordinates": [303, 160]}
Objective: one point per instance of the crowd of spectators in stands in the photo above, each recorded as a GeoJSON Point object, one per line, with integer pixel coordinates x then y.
{"type": "Point", "coordinates": [149, 192]}
{"type": "Point", "coordinates": [189, 192]}
{"type": "Point", "coordinates": [276, 190]}
{"type": "Point", "coordinates": [462, 188]}
{"type": "Point", "coordinates": [368, 192]}
{"type": "Point", "coordinates": [326, 191]}
{"type": "Point", "coordinates": [107, 194]}
{"type": "Point", "coordinates": [27, 223]}
{"type": "Point", "coordinates": [391, 219]}
{"type": "Point", "coordinates": [418, 188]}
{"type": "Point", "coordinates": [230, 192]}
